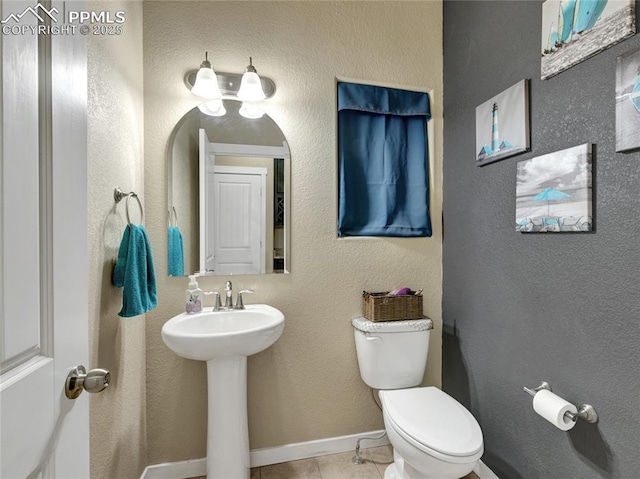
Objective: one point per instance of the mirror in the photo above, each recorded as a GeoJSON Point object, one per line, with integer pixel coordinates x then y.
{"type": "Point", "coordinates": [228, 195]}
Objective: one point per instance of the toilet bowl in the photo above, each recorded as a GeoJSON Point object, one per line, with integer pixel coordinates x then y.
{"type": "Point", "coordinates": [433, 435]}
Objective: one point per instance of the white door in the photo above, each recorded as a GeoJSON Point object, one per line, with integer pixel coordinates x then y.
{"type": "Point", "coordinates": [43, 244]}
{"type": "Point", "coordinates": [238, 216]}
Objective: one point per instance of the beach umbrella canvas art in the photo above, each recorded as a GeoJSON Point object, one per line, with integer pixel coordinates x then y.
{"type": "Point", "coordinates": [554, 192]}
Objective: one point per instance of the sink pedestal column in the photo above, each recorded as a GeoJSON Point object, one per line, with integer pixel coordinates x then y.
{"type": "Point", "coordinates": [227, 426]}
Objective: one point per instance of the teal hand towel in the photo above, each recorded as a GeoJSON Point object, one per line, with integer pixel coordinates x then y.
{"type": "Point", "coordinates": [134, 273]}
{"type": "Point", "coordinates": [176, 252]}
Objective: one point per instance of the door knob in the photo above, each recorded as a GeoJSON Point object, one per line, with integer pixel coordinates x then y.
{"type": "Point", "coordinates": [79, 379]}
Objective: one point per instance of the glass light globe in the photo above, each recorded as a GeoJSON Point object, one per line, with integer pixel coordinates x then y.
{"type": "Point", "coordinates": [206, 84]}
{"type": "Point", "coordinates": [250, 86]}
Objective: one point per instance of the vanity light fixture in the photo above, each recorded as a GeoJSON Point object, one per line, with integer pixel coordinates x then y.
{"type": "Point", "coordinates": [206, 81]}
{"type": "Point", "coordinates": [248, 88]}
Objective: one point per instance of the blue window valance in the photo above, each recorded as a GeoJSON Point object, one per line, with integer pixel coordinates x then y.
{"type": "Point", "coordinates": [383, 161]}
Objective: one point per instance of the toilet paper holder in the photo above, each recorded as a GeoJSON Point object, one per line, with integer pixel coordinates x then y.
{"type": "Point", "coordinates": [585, 411]}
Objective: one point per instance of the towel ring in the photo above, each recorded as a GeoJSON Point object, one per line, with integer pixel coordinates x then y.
{"type": "Point", "coordinates": [118, 194]}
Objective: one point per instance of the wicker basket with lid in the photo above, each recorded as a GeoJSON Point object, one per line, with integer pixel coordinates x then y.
{"type": "Point", "coordinates": [386, 307]}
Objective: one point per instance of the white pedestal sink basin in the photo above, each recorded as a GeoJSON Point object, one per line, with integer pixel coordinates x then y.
{"type": "Point", "coordinates": [224, 339]}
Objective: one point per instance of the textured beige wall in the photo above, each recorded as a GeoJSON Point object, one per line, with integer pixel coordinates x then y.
{"type": "Point", "coordinates": [307, 386]}
{"type": "Point", "coordinates": [115, 158]}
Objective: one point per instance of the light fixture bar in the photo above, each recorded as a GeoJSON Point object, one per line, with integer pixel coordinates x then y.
{"type": "Point", "coordinates": [229, 83]}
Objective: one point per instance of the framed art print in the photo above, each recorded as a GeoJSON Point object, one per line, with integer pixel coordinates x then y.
{"type": "Point", "coordinates": [574, 30]}
{"type": "Point", "coordinates": [502, 125]}
{"type": "Point", "coordinates": [554, 192]}
{"type": "Point", "coordinates": [628, 101]}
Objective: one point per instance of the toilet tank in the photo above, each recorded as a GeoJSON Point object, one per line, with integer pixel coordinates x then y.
{"type": "Point", "coordinates": [392, 354]}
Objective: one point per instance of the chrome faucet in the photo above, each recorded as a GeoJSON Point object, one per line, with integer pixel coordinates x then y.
{"type": "Point", "coordinates": [228, 302]}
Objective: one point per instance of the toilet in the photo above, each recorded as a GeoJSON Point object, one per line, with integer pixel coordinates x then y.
{"type": "Point", "coordinates": [433, 435]}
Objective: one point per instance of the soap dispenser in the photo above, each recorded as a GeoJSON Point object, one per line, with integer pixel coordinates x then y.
{"type": "Point", "coordinates": [193, 296]}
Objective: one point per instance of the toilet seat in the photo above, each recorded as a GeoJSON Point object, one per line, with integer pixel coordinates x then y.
{"type": "Point", "coordinates": [434, 422]}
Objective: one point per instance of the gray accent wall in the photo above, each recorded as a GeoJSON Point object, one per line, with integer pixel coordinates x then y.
{"type": "Point", "coordinates": [517, 308]}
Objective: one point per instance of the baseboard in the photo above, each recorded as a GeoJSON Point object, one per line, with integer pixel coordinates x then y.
{"type": "Point", "coordinates": [176, 470]}
{"type": "Point", "coordinates": [286, 453]}
{"type": "Point", "coordinates": [321, 447]}
{"type": "Point", "coordinates": [269, 455]}
{"type": "Point", "coordinates": [483, 472]}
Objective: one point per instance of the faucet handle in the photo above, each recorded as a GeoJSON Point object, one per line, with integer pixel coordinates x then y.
{"type": "Point", "coordinates": [217, 305]}
{"type": "Point", "coordinates": [239, 303]}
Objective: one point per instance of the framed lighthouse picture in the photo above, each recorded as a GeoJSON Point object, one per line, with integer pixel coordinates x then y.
{"type": "Point", "coordinates": [502, 125]}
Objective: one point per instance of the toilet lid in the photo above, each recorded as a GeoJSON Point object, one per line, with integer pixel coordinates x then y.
{"type": "Point", "coordinates": [434, 419]}
{"type": "Point", "coordinates": [403, 326]}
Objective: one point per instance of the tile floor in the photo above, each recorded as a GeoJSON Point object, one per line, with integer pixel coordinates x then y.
{"type": "Point", "coordinates": [335, 466]}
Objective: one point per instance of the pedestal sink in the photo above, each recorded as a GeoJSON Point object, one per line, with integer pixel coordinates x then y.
{"type": "Point", "coordinates": [224, 339]}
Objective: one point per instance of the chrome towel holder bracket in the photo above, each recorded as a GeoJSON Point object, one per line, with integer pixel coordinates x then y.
{"type": "Point", "coordinates": [172, 219]}
{"type": "Point", "coordinates": [118, 195]}
{"type": "Point", "coordinates": [585, 411]}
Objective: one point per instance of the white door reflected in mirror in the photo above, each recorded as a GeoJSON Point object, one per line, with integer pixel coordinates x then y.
{"type": "Point", "coordinates": [234, 237]}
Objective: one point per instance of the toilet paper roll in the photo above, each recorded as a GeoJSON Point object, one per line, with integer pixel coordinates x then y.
{"type": "Point", "coordinates": [552, 408]}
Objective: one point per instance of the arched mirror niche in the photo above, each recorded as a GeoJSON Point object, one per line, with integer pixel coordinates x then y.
{"type": "Point", "coordinates": [228, 195]}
